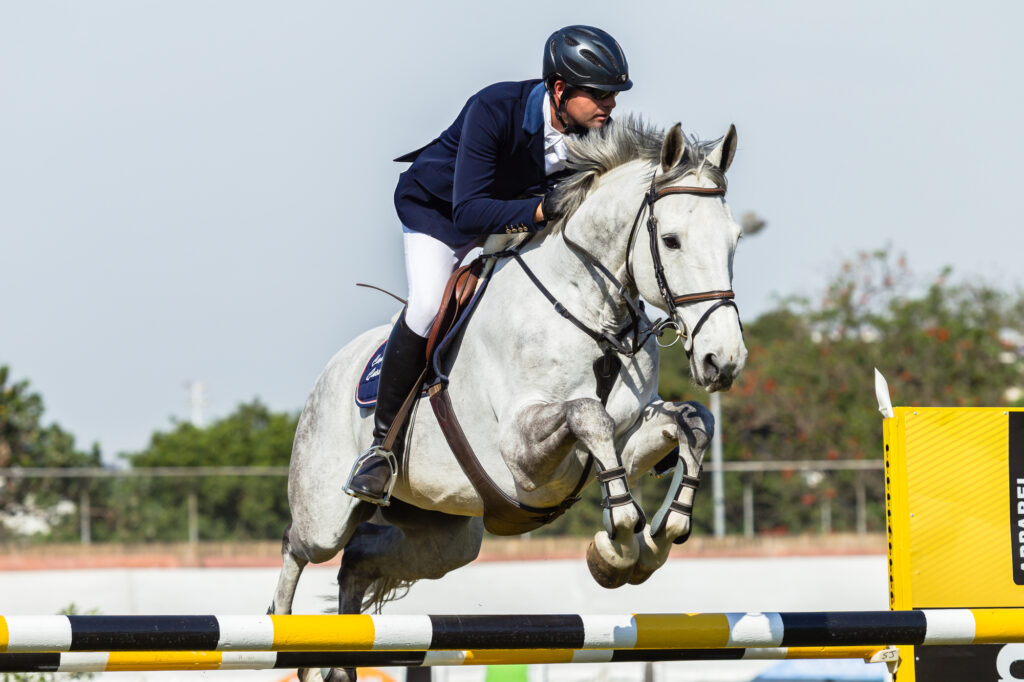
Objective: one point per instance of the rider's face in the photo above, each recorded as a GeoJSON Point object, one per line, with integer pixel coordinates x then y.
{"type": "Point", "coordinates": [583, 108]}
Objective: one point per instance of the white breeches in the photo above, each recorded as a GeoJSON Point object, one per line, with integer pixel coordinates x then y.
{"type": "Point", "coordinates": [429, 263]}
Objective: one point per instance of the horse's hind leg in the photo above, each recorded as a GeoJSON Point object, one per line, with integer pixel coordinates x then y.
{"type": "Point", "coordinates": [413, 544]}
{"type": "Point", "coordinates": [383, 558]}
{"type": "Point", "coordinates": [287, 579]}
{"type": "Point", "coordinates": [317, 538]}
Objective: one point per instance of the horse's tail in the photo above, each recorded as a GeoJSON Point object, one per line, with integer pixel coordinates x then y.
{"type": "Point", "coordinates": [384, 590]}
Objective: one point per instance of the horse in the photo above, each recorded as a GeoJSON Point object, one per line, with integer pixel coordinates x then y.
{"type": "Point", "coordinates": [523, 381]}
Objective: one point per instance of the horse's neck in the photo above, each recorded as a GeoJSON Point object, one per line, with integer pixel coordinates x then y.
{"type": "Point", "coordinates": [600, 228]}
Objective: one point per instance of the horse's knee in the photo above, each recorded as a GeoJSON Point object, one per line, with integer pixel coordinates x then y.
{"type": "Point", "coordinates": [587, 415]}
{"type": "Point", "coordinates": [697, 424]}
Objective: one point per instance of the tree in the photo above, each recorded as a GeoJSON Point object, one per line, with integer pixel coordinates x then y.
{"type": "Point", "coordinates": [230, 507]}
{"type": "Point", "coordinates": [26, 442]}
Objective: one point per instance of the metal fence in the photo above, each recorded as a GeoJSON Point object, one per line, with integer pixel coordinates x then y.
{"type": "Point", "coordinates": [814, 471]}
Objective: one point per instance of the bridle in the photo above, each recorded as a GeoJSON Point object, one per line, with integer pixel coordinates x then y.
{"type": "Point", "coordinates": [723, 296]}
{"type": "Point", "coordinates": [640, 335]}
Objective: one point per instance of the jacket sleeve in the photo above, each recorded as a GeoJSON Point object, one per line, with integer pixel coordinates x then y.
{"type": "Point", "coordinates": [475, 210]}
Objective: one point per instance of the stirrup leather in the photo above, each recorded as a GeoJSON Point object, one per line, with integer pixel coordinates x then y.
{"type": "Point", "coordinates": [374, 451]}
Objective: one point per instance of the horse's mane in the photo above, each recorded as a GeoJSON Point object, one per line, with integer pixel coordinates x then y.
{"type": "Point", "coordinates": [629, 139]}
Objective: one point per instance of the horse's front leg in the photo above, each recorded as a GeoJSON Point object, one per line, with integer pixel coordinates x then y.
{"type": "Point", "coordinates": [538, 443]}
{"type": "Point", "coordinates": [690, 427]}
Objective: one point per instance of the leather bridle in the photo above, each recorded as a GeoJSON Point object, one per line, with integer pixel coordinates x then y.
{"type": "Point", "coordinates": [723, 296]}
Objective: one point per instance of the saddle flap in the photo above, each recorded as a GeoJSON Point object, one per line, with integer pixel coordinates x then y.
{"type": "Point", "coordinates": [457, 294]}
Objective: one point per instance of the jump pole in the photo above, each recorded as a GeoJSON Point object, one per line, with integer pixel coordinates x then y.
{"type": "Point", "coordinates": [424, 633]}
{"type": "Point", "coordinates": [94, 662]}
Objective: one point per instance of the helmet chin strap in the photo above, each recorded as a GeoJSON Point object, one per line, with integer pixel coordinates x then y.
{"type": "Point", "coordinates": [561, 115]}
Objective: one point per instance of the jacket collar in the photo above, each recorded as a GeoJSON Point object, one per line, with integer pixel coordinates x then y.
{"type": "Point", "coordinates": [533, 119]}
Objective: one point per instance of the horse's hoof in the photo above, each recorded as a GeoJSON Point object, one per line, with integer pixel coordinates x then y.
{"type": "Point", "coordinates": [338, 674]}
{"type": "Point", "coordinates": [310, 675]}
{"type": "Point", "coordinates": [639, 575]}
{"type": "Point", "coordinates": [603, 572]}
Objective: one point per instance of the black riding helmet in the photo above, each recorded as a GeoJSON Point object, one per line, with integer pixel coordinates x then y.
{"type": "Point", "coordinates": [585, 56]}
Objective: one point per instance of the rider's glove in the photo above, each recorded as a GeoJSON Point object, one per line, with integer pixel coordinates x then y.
{"type": "Point", "coordinates": [549, 209]}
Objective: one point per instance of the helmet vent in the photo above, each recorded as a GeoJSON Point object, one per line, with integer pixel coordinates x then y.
{"type": "Point", "coordinates": [591, 57]}
{"type": "Point", "coordinates": [607, 54]}
{"type": "Point", "coordinates": [571, 42]}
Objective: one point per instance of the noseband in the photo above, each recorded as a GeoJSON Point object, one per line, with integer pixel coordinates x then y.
{"type": "Point", "coordinates": [723, 296]}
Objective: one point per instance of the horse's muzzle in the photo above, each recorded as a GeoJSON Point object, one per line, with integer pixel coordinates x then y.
{"type": "Point", "coordinates": [718, 374]}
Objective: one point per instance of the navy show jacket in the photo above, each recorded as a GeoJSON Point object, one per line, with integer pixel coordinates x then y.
{"type": "Point", "coordinates": [484, 174]}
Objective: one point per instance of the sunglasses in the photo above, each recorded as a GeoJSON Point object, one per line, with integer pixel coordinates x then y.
{"type": "Point", "coordinates": [598, 94]}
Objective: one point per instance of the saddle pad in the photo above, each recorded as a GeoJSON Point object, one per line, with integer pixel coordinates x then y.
{"type": "Point", "coordinates": [366, 389]}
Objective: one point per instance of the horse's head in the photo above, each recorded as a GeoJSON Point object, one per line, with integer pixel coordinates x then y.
{"type": "Point", "coordinates": [691, 240]}
{"type": "Point", "coordinates": [682, 259]}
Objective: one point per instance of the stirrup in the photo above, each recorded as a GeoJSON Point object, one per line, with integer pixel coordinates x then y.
{"type": "Point", "coordinates": [374, 451]}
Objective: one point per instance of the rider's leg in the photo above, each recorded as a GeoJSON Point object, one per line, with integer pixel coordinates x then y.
{"type": "Point", "coordinates": [428, 264]}
{"type": "Point", "coordinates": [404, 360]}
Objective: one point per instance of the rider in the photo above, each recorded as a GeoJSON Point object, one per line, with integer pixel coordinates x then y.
{"type": "Point", "coordinates": [486, 174]}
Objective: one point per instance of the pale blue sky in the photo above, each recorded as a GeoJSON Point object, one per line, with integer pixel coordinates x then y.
{"type": "Point", "coordinates": [190, 190]}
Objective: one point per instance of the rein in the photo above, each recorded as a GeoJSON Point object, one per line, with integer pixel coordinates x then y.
{"type": "Point", "coordinates": [635, 307]}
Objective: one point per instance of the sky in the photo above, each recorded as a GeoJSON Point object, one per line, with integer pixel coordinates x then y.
{"type": "Point", "coordinates": [190, 190]}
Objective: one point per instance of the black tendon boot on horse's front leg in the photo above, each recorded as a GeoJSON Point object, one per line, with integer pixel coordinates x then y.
{"type": "Point", "coordinates": [374, 471]}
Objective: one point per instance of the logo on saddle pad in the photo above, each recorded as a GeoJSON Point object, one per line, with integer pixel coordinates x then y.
{"type": "Point", "coordinates": [369, 380]}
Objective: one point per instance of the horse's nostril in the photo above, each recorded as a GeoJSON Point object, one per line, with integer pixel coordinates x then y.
{"type": "Point", "coordinates": [711, 365]}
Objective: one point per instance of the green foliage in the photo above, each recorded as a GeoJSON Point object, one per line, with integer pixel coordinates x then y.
{"type": "Point", "coordinates": [230, 507]}
{"type": "Point", "coordinates": [26, 442]}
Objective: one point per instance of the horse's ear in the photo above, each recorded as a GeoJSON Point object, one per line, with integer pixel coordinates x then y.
{"type": "Point", "coordinates": [721, 156]}
{"type": "Point", "coordinates": [673, 148]}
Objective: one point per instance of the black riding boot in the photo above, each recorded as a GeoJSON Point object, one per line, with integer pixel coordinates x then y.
{"type": "Point", "coordinates": [373, 473]}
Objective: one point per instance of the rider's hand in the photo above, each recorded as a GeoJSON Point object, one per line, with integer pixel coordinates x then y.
{"type": "Point", "coordinates": [547, 209]}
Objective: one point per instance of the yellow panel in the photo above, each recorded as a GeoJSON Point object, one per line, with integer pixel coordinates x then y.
{"type": "Point", "coordinates": [958, 507]}
{"type": "Point", "coordinates": [681, 631]}
{"type": "Point", "coordinates": [323, 633]}
{"type": "Point", "coordinates": [163, 660]}
{"type": "Point", "coordinates": [897, 516]}
{"type": "Point", "coordinates": [4, 634]}
{"type": "Point", "coordinates": [898, 528]}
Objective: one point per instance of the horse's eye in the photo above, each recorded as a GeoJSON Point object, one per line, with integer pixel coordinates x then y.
{"type": "Point", "coordinates": [670, 241]}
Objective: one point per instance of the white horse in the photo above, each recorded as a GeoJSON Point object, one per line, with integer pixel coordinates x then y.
{"type": "Point", "coordinates": [523, 382]}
